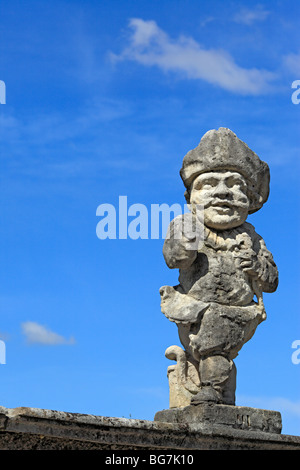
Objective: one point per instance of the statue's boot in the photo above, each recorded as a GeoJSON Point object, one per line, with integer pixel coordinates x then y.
{"type": "Point", "coordinates": [218, 381]}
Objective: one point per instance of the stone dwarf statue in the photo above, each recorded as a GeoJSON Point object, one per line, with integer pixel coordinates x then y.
{"type": "Point", "coordinates": [218, 303]}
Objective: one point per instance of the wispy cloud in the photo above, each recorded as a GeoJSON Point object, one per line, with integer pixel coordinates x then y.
{"type": "Point", "coordinates": [250, 16]}
{"type": "Point", "coordinates": [244, 16]}
{"type": "Point", "coordinates": [39, 334]}
{"type": "Point", "coordinates": [151, 46]}
{"type": "Point", "coordinates": [3, 336]}
{"type": "Point", "coordinates": [58, 127]}
{"type": "Point", "coordinates": [292, 62]}
{"type": "Point", "coordinates": [275, 403]}
{"type": "Point", "coordinates": [207, 21]}
{"type": "Point", "coordinates": [289, 406]}
{"type": "Point", "coordinates": [33, 145]}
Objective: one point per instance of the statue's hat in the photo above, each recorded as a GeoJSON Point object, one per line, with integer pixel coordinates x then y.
{"type": "Point", "coordinates": [222, 150]}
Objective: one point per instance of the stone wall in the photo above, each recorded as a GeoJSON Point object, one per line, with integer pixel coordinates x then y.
{"type": "Point", "coordinates": [36, 429]}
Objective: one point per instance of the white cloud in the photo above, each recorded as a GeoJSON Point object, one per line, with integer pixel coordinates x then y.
{"type": "Point", "coordinates": [38, 334]}
{"type": "Point", "coordinates": [3, 336]}
{"type": "Point", "coordinates": [292, 62]}
{"type": "Point", "coordinates": [151, 46]}
{"type": "Point", "coordinates": [207, 21]}
{"type": "Point", "coordinates": [248, 17]}
{"type": "Point", "coordinates": [286, 405]}
{"type": "Point", "coordinates": [281, 404]}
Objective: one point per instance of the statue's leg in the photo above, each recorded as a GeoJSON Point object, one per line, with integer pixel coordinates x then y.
{"type": "Point", "coordinates": [218, 384]}
{"type": "Point", "coordinates": [230, 387]}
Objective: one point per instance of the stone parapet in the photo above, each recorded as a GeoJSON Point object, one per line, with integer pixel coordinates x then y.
{"type": "Point", "coordinates": [38, 429]}
{"type": "Point", "coordinates": [208, 416]}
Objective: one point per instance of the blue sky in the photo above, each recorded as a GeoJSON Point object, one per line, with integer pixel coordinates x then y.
{"type": "Point", "coordinates": [103, 99]}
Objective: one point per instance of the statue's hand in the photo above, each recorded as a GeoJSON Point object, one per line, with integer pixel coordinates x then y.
{"type": "Point", "coordinates": [249, 263]}
{"type": "Point", "coordinates": [186, 231]}
{"type": "Point", "coordinates": [181, 242]}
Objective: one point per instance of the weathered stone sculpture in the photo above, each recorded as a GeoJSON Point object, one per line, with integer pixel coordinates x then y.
{"type": "Point", "coordinates": [218, 302]}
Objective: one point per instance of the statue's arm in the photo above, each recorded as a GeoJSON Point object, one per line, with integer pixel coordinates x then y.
{"type": "Point", "coordinates": [264, 268]}
{"type": "Point", "coordinates": [267, 272]}
{"type": "Point", "coordinates": [179, 249]}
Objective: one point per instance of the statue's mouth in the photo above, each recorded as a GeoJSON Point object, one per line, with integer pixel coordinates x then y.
{"type": "Point", "coordinates": [223, 205]}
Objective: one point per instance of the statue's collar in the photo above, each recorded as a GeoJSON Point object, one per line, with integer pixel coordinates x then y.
{"type": "Point", "coordinates": [227, 239]}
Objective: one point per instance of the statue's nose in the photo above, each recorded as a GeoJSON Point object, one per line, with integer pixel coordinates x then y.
{"type": "Point", "coordinates": [222, 190]}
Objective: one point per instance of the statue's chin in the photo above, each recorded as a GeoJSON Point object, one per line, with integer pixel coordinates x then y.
{"type": "Point", "coordinates": [223, 222]}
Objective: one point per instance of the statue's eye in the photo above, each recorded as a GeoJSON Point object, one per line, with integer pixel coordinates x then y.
{"type": "Point", "coordinates": [231, 182]}
{"type": "Point", "coordinates": [210, 183]}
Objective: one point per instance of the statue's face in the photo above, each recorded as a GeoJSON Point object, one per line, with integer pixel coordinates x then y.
{"type": "Point", "coordinates": [223, 195]}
